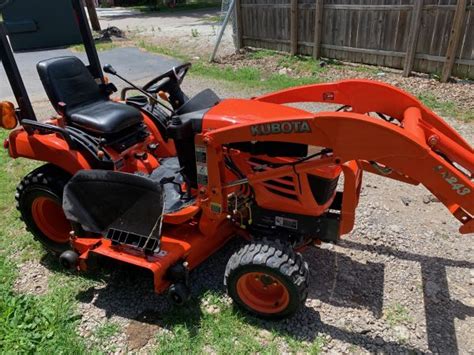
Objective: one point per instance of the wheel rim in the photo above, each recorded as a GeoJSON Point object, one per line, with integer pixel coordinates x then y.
{"type": "Point", "coordinates": [50, 219]}
{"type": "Point", "coordinates": [262, 292]}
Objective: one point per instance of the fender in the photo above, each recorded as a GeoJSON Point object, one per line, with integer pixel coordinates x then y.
{"type": "Point", "coordinates": [48, 148]}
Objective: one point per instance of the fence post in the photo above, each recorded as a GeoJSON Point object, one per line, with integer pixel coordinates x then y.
{"type": "Point", "coordinates": [238, 19]}
{"type": "Point", "coordinates": [294, 27]}
{"type": "Point", "coordinates": [318, 25]}
{"type": "Point", "coordinates": [93, 15]}
{"type": "Point", "coordinates": [413, 37]}
{"type": "Point", "coordinates": [454, 38]}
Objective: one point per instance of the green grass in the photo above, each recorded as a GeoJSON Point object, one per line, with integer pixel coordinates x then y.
{"type": "Point", "coordinates": [29, 323]}
{"type": "Point", "coordinates": [397, 314]}
{"type": "Point", "coordinates": [106, 330]}
{"type": "Point", "coordinates": [446, 108]}
{"type": "Point", "coordinates": [179, 7]}
{"type": "Point", "coordinates": [223, 330]}
{"type": "Point", "coordinates": [101, 47]}
{"type": "Point", "coordinates": [216, 19]}
{"type": "Point", "coordinates": [153, 48]}
{"type": "Point", "coordinates": [247, 77]}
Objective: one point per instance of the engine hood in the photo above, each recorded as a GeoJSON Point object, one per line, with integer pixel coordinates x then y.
{"type": "Point", "coordinates": [241, 111]}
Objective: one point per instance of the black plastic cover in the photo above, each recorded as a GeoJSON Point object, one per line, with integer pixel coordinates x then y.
{"type": "Point", "coordinates": [203, 100]}
{"type": "Point", "coordinates": [101, 200]}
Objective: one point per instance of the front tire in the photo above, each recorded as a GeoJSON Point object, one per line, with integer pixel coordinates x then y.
{"type": "Point", "coordinates": [39, 201]}
{"type": "Point", "coordinates": [267, 279]}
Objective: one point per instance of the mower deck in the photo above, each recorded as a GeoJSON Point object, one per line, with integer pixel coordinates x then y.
{"type": "Point", "coordinates": [178, 243]}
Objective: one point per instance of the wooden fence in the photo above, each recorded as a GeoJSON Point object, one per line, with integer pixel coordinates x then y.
{"type": "Point", "coordinates": [431, 36]}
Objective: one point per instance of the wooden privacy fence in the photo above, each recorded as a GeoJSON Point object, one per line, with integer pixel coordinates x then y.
{"type": "Point", "coordinates": [431, 36]}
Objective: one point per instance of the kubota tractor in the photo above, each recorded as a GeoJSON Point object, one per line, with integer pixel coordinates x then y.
{"type": "Point", "coordinates": [162, 181]}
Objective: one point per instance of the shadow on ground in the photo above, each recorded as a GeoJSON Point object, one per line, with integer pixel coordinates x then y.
{"type": "Point", "coordinates": [129, 293]}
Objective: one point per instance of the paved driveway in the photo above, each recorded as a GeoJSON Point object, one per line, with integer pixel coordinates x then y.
{"type": "Point", "coordinates": [132, 63]}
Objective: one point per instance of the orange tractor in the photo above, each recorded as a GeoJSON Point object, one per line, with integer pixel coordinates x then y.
{"type": "Point", "coordinates": [162, 181]}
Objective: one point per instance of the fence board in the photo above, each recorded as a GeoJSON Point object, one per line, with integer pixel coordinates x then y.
{"type": "Point", "coordinates": [365, 31]}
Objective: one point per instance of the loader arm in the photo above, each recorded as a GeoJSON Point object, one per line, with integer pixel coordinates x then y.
{"type": "Point", "coordinates": [421, 149]}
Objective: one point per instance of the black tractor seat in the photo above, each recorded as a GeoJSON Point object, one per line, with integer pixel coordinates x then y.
{"type": "Point", "coordinates": [67, 80]}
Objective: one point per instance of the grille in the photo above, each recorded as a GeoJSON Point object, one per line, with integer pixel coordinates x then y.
{"type": "Point", "coordinates": [135, 240]}
{"type": "Point", "coordinates": [283, 186]}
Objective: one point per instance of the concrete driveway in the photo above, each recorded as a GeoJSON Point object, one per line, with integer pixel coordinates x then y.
{"type": "Point", "coordinates": [132, 63]}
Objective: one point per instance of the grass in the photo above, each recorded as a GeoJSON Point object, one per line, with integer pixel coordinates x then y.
{"type": "Point", "coordinates": [447, 108]}
{"type": "Point", "coordinates": [194, 329]}
{"type": "Point", "coordinates": [216, 19]}
{"type": "Point", "coordinates": [397, 314]}
{"type": "Point", "coordinates": [101, 47]}
{"type": "Point", "coordinates": [179, 7]}
{"type": "Point", "coordinates": [247, 77]}
{"type": "Point", "coordinates": [29, 323]}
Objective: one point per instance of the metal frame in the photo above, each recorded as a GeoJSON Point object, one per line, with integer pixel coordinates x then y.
{"type": "Point", "coordinates": [88, 41]}
{"type": "Point", "coordinates": [14, 77]}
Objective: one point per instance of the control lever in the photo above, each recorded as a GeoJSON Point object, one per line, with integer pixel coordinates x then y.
{"type": "Point", "coordinates": [109, 69]}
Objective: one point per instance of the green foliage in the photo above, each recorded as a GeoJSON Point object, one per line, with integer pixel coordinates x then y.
{"type": "Point", "coordinates": [29, 324]}
{"type": "Point", "coordinates": [250, 77]}
{"type": "Point", "coordinates": [101, 47]}
{"type": "Point", "coordinates": [397, 314]}
{"type": "Point", "coordinates": [261, 54]}
{"type": "Point", "coordinates": [189, 5]}
{"type": "Point", "coordinates": [107, 330]}
{"type": "Point", "coordinates": [214, 326]}
{"type": "Point", "coordinates": [447, 108]}
{"type": "Point", "coordinates": [153, 48]}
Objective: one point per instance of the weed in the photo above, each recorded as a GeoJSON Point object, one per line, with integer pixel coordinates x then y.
{"type": "Point", "coordinates": [447, 108]}
{"type": "Point", "coordinates": [189, 5]}
{"type": "Point", "coordinates": [194, 32]}
{"type": "Point", "coordinates": [153, 48]}
{"type": "Point", "coordinates": [212, 19]}
{"type": "Point", "coordinates": [397, 314]}
{"type": "Point", "coordinates": [261, 53]}
{"type": "Point", "coordinates": [101, 47]}
{"type": "Point", "coordinates": [107, 330]}
{"type": "Point", "coordinates": [194, 330]}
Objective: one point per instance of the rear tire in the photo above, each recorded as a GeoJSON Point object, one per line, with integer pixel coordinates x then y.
{"type": "Point", "coordinates": [39, 201]}
{"type": "Point", "coordinates": [267, 279]}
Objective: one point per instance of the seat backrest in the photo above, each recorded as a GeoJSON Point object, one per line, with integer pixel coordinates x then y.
{"type": "Point", "coordinates": [67, 79]}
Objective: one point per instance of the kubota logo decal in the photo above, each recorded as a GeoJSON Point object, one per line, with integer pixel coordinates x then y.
{"type": "Point", "coordinates": [285, 127]}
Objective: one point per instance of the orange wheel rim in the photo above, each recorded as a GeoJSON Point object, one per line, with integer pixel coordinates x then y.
{"type": "Point", "coordinates": [50, 219]}
{"type": "Point", "coordinates": [262, 292]}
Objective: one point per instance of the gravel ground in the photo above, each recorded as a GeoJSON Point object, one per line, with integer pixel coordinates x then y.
{"type": "Point", "coordinates": [402, 281]}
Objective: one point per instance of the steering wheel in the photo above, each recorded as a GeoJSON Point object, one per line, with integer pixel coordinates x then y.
{"type": "Point", "coordinates": [171, 78]}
